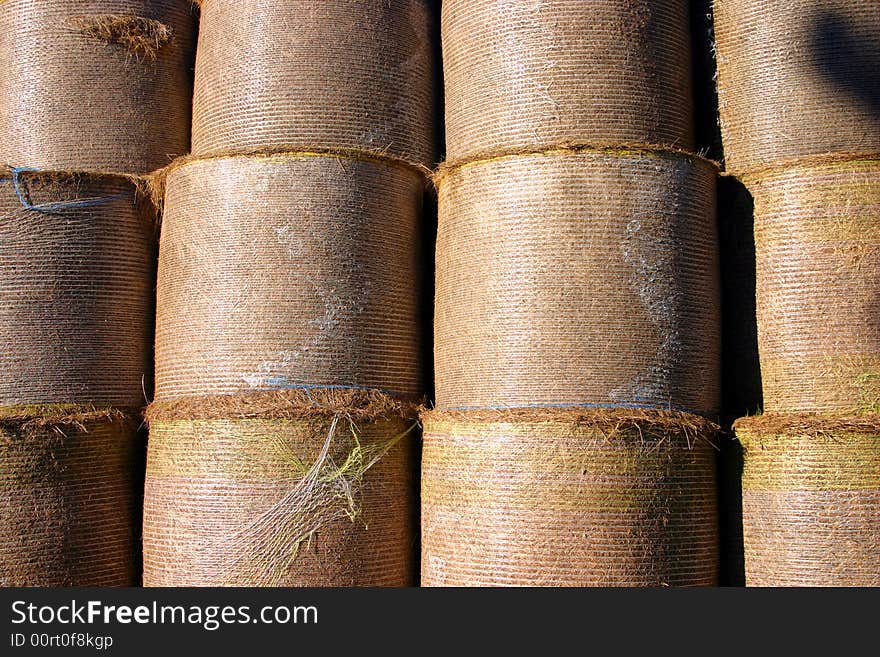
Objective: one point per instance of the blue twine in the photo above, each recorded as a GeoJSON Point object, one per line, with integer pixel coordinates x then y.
{"type": "Point", "coordinates": [283, 384]}
{"type": "Point", "coordinates": [17, 184]}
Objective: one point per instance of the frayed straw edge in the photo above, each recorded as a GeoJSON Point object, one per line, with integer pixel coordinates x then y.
{"type": "Point", "coordinates": [753, 175]}
{"type": "Point", "coordinates": [809, 424]}
{"type": "Point", "coordinates": [622, 149]}
{"type": "Point", "coordinates": [157, 180]}
{"type": "Point", "coordinates": [295, 404]}
{"type": "Point", "coordinates": [35, 417]}
{"type": "Point", "coordinates": [651, 425]}
{"type": "Point", "coordinates": [142, 36]}
{"type": "Point", "coordinates": [140, 183]}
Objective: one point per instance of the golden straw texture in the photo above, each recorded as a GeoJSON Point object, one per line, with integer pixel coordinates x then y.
{"type": "Point", "coordinates": [326, 501]}
{"type": "Point", "coordinates": [76, 290]}
{"type": "Point", "coordinates": [68, 498]}
{"type": "Point", "coordinates": [287, 271]}
{"type": "Point", "coordinates": [797, 78]}
{"type": "Point", "coordinates": [103, 86]}
{"type": "Point", "coordinates": [578, 278]}
{"type": "Point", "coordinates": [347, 74]}
{"type": "Point", "coordinates": [537, 74]}
{"type": "Point", "coordinates": [818, 274]}
{"type": "Point", "coordinates": [811, 500]}
{"type": "Point", "coordinates": [568, 498]}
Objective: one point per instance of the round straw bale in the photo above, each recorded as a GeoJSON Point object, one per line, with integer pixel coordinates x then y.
{"type": "Point", "coordinates": [817, 279]}
{"type": "Point", "coordinates": [537, 75]}
{"type": "Point", "coordinates": [573, 497]}
{"type": "Point", "coordinates": [77, 273]}
{"type": "Point", "coordinates": [344, 75]}
{"type": "Point", "coordinates": [289, 271]}
{"type": "Point", "coordinates": [797, 78]}
{"type": "Point", "coordinates": [297, 496]}
{"type": "Point", "coordinates": [102, 86]}
{"type": "Point", "coordinates": [578, 278]}
{"type": "Point", "coordinates": [811, 500]}
{"type": "Point", "coordinates": [70, 480]}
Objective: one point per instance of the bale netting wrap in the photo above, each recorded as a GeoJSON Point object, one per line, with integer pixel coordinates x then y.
{"type": "Point", "coordinates": [281, 489]}
{"type": "Point", "coordinates": [578, 278]}
{"type": "Point", "coordinates": [77, 273]}
{"type": "Point", "coordinates": [568, 497]}
{"type": "Point", "coordinates": [811, 500]}
{"type": "Point", "coordinates": [89, 85]}
{"type": "Point", "coordinates": [797, 78]}
{"type": "Point", "coordinates": [817, 277]}
{"type": "Point", "coordinates": [345, 75]}
{"type": "Point", "coordinates": [68, 497]}
{"type": "Point", "coordinates": [289, 271]}
{"type": "Point", "coordinates": [534, 75]}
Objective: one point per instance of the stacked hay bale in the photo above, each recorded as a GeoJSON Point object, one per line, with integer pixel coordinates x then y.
{"type": "Point", "coordinates": [289, 329]}
{"type": "Point", "coordinates": [98, 85]}
{"type": "Point", "coordinates": [801, 130]}
{"type": "Point", "coordinates": [577, 310]}
{"type": "Point", "coordinates": [94, 94]}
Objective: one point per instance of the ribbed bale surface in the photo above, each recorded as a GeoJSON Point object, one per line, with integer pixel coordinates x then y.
{"type": "Point", "coordinates": [818, 273]}
{"type": "Point", "coordinates": [289, 271]}
{"type": "Point", "coordinates": [578, 278]}
{"type": "Point", "coordinates": [97, 85]}
{"type": "Point", "coordinates": [797, 78]}
{"type": "Point", "coordinates": [533, 75]}
{"type": "Point", "coordinates": [568, 498]}
{"type": "Point", "coordinates": [811, 500]}
{"type": "Point", "coordinates": [241, 502]}
{"type": "Point", "coordinates": [76, 286]}
{"type": "Point", "coordinates": [68, 513]}
{"type": "Point", "coordinates": [343, 75]}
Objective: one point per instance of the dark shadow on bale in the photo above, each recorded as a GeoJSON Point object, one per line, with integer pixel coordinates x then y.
{"type": "Point", "coordinates": [708, 132]}
{"type": "Point", "coordinates": [139, 467]}
{"type": "Point", "coordinates": [439, 93]}
{"type": "Point", "coordinates": [730, 514]}
{"type": "Point", "coordinates": [77, 256]}
{"type": "Point", "coordinates": [70, 485]}
{"type": "Point", "coordinates": [848, 60]}
{"type": "Point", "coordinates": [429, 239]}
{"type": "Point", "coordinates": [741, 370]}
